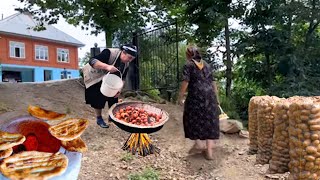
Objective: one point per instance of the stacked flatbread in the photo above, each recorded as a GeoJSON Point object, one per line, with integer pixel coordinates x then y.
{"type": "Point", "coordinates": [69, 132]}
{"type": "Point", "coordinates": [8, 141]}
{"type": "Point", "coordinates": [34, 165]}
{"type": "Point", "coordinates": [42, 165]}
{"type": "Point", "coordinates": [28, 164]}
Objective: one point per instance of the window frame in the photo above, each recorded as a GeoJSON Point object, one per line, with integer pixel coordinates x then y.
{"type": "Point", "coordinates": [63, 54]}
{"type": "Point", "coordinates": [22, 49]}
{"type": "Point", "coordinates": [46, 52]}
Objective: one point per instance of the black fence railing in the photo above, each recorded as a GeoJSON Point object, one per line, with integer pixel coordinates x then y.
{"type": "Point", "coordinates": [157, 64]}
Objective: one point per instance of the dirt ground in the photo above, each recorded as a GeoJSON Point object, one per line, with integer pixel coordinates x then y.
{"type": "Point", "coordinates": [104, 157]}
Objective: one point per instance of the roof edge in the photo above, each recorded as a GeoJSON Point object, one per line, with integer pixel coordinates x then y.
{"type": "Point", "coordinates": [45, 39]}
{"type": "Point", "coordinates": [9, 17]}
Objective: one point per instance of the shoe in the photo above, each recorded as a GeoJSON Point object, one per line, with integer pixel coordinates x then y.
{"type": "Point", "coordinates": [102, 124]}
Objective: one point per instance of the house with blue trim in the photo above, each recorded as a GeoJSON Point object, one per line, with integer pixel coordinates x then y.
{"type": "Point", "coordinates": [35, 56]}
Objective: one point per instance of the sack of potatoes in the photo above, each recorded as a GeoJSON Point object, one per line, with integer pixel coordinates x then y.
{"type": "Point", "coordinates": [253, 124]}
{"type": "Point", "coordinates": [304, 144]}
{"type": "Point", "coordinates": [265, 116]}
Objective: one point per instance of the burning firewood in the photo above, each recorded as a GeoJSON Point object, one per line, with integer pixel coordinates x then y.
{"type": "Point", "coordinates": [140, 143]}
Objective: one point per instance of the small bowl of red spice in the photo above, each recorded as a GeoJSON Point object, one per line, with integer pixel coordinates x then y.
{"type": "Point", "coordinates": [38, 138]}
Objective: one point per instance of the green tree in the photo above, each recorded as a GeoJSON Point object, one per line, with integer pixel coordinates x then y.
{"type": "Point", "coordinates": [83, 61]}
{"type": "Point", "coordinates": [282, 47]}
{"type": "Point", "coordinates": [106, 16]}
{"type": "Point", "coordinates": [279, 50]}
{"type": "Point", "coordinates": [207, 19]}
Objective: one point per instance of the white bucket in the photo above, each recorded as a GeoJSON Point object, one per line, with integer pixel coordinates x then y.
{"type": "Point", "coordinates": [111, 84]}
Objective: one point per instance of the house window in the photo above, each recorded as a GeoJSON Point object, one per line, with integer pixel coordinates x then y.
{"type": "Point", "coordinates": [69, 76]}
{"type": "Point", "coordinates": [17, 49]}
{"type": "Point", "coordinates": [41, 52]}
{"type": "Point", "coordinates": [65, 74]}
{"type": "Point", "coordinates": [63, 55]}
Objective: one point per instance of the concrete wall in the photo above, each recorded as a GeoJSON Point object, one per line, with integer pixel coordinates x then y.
{"type": "Point", "coordinates": [36, 74]}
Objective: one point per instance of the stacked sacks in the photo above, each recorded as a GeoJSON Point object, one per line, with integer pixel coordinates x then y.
{"type": "Point", "coordinates": [280, 142]}
{"type": "Point", "coordinates": [304, 134]}
{"type": "Point", "coordinates": [265, 117]}
{"type": "Point", "coordinates": [253, 124]}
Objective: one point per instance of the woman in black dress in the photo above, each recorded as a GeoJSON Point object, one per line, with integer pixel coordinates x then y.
{"type": "Point", "coordinates": [201, 107]}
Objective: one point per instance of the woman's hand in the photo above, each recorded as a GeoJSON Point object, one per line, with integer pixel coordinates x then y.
{"type": "Point", "coordinates": [100, 65]}
{"type": "Point", "coordinates": [183, 89]}
{"type": "Point", "coordinates": [118, 94]}
{"type": "Point", "coordinates": [218, 102]}
{"type": "Point", "coordinates": [111, 68]}
{"type": "Point", "coordinates": [180, 101]}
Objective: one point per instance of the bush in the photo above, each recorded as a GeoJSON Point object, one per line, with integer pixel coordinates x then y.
{"type": "Point", "coordinates": [228, 106]}
{"type": "Point", "coordinates": [242, 92]}
{"type": "Point", "coordinates": [154, 94]}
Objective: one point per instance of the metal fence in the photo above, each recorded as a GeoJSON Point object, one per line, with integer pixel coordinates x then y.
{"type": "Point", "coordinates": [157, 64]}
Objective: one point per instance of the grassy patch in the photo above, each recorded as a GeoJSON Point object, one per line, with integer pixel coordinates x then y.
{"type": "Point", "coordinates": [146, 174]}
{"type": "Point", "coordinates": [128, 157]}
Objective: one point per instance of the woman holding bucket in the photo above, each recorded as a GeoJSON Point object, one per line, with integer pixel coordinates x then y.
{"type": "Point", "coordinates": [111, 60]}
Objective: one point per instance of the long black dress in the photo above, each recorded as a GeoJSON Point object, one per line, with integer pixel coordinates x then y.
{"type": "Point", "coordinates": [201, 111]}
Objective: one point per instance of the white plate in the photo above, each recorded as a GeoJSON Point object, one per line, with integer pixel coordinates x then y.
{"type": "Point", "coordinates": [72, 170]}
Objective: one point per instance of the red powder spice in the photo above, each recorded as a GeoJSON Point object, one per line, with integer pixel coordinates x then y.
{"type": "Point", "coordinates": [31, 143]}
{"type": "Point", "coordinates": [37, 135]}
{"type": "Point", "coordinates": [43, 148]}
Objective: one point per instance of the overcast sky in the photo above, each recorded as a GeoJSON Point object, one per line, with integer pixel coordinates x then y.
{"type": "Point", "coordinates": [7, 8]}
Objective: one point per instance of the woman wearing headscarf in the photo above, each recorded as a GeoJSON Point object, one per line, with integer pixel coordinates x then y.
{"type": "Point", "coordinates": [201, 107]}
{"type": "Point", "coordinates": [113, 60]}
